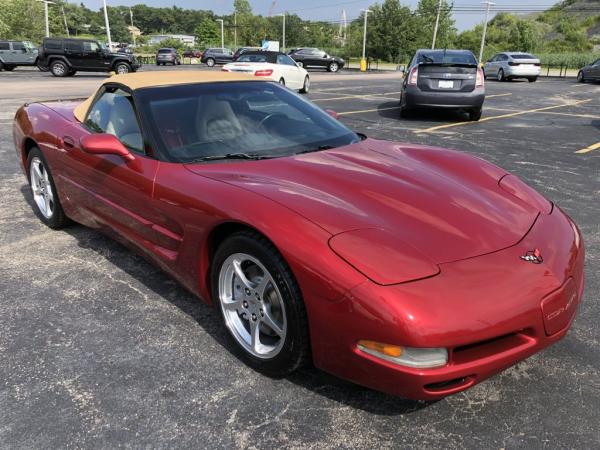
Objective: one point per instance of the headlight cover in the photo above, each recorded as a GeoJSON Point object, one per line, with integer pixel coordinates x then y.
{"type": "Point", "coordinates": [513, 185]}
{"type": "Point", "coordinates": [419, 358]}
{"type": "Point", "coordinates": [382, 257]}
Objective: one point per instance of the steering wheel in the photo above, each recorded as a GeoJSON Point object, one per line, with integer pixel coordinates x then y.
{"type": "Point", "coordinates": [269, 117]}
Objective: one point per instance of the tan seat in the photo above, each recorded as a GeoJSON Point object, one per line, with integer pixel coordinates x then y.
{"type": "Point", "coordinates": [216, 120]}
{"type": "Point", "coordinates": [123, 123]}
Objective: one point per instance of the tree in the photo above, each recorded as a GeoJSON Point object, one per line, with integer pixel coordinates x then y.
{"type": "Point", "coordinates": [242, 7]}
{"type": "Point", "coordinates": [207, 32]}
{"type": "Point", "coordinates": [426, 17]}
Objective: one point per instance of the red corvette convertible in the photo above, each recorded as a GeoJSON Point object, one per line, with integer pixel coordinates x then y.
{"type": "Point", "coordinates": [413, 270]}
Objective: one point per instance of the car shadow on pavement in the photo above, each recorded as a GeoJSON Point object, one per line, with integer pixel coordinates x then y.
{"type": "Point", "coordinates": [158, 281]}
{"type": "Point", "coordinates": [391, 110]}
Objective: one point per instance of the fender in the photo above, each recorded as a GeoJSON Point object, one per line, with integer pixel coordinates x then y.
{"type": "Point", "coordinates": [53, 58]}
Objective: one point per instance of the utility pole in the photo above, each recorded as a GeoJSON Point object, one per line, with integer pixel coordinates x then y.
{"type": "Point", "coordinates": [65, 20]}
{"type": "Point", "coordinates": [46, 3]}
{"type": "Point", "coordinates": [222, 35]}
{"type": "Point", "coordinates": [235, 29]}
{"type": "Point", "coordinates": [488, 3]}
{"type": "Point", "coordinates": [363, 61]}
{"type": "Point", "coordinates": [283, 46]}
{"type": "Point", "coordinates": [107, 26]}
{"type": "Point", "coordinates": [437, 24]}
{"type": "Point", "coordinates": [132, 29]}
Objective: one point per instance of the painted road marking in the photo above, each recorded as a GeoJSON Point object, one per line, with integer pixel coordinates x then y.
{"type": "Point", "coordinates": [499, 95]}
{"type": "Point", "coordinates": [501, 116]}
{"type": "Point", "coordinates": [589, 149]}
{"type": "Point", "coordinates": [382, 96]}
{"type": "Point", "coordinates": [345, 97]}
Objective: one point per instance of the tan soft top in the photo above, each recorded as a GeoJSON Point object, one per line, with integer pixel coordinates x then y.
{"type": "Point", "coordinates": [140, 80]}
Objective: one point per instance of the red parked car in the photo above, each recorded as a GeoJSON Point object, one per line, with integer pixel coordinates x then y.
{"type": "Point", "coordinates": [413, 270]}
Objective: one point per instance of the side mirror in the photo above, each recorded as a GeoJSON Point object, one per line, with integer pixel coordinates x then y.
{"type": "Point", "coordinates": [105, 144]}
{"type": "Point", "coordinates": [333, 114]}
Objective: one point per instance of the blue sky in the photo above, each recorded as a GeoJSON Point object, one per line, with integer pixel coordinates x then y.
{"type": "Point", "coordinates": [319, 9]}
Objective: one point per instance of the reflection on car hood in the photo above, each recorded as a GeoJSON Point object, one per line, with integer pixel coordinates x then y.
{"type": "Point", "coordinates": [445, 203]}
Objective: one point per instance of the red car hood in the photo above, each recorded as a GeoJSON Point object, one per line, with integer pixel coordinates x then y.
{"type": "Point", "coordinates": [446, 204]}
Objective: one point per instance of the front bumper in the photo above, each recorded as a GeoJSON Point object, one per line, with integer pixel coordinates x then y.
{"type": "Point", "coordinates": [417, 98]}
{"type": "Point", "coordinates": [490, 312]}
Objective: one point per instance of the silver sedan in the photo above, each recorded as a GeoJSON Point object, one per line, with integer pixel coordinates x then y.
{"type": "Point", "coordinates": [510, 65]}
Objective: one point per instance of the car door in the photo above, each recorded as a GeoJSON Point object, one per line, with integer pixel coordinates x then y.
{"type": "Point", "coordinates": [95, 57]}
{"type": "Point", "coordinates": [502, 63]}
{"type": "Point", "coordinates": [594, 71]}
{"type": "Point", "coordinates": [6, 52]}
{"type": "Point", "coordinates": [300, 56]}
{"type": "Point", "coordinates": [294, 78]}
{"type": "Point", "coordinates": [108, 191]}
{"type": "Point", "coordinates": [74, 53]}
{"type": "Point", "coordinates": [490, 66]}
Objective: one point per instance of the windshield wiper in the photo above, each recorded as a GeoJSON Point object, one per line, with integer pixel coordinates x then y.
{"type": "Point", "coordinates": [317, 149]}
{"type": "Point", "coordinates": [249, 156]}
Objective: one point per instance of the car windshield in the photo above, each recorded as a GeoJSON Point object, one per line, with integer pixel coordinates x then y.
{"type": "Point", "coordinates": [165, 50]}
{"type": "Point", "coordinates": [522, 56]}
{"type": "Point", "coordinates": [252, 58]}
{"type": "Point", "coordinates": [253, 119]}
{"type": "Point", "coordinates": [442, 57]}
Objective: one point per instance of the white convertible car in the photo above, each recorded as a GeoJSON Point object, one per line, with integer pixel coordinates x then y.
{"type": "Point", "coordinates": [274, 66]}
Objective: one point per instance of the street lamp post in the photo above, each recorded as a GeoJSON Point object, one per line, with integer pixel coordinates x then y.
{"type": "Point", "coordinates": [107, 26]}
{"type": "Point", "coordinates": [363, 61]}
{"type": "Point", "coordinates": [487, 17]}
{"type": "Point", "coordinates": [46, 3]}
{"type": "Point", "coordinates": [222, 35]}
{"type": "Point", "coordinates": [283, 46]}
{"type": "Point", "coordinates": [437, 24]}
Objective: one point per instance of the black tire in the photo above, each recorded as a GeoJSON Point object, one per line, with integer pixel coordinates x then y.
{"type": "Point", "coordinates": [58, 219]}
{"type": "Point", "coordinates": [71, 73]}
{"type": "Point", "coordinates": [9, 68]}
{"type": "Point", "coordinates": [122, 68]}
{"type": "Point", "coordinates": [581, 77]}
{"type": "Point", "coordinates": [501, 76]}
{"type": "Point", "coordinates": [295, 350]}
{"type": "Point", "coordinates": [210, 62]}
{"type": "Point", "coordinates": [42, 68]}
{"type": "Point", "coordinates": [158, 64]}
{"type": "Point", "coordinates": [59, 68]}
{"type": "Point", "coordinates": [1, 66]}
{"type": "Point", "coordinates": [282, 81]}
{"type": "Point", "coordinates": [333, 67]}
{"type": "Point", "coordinates": [475, 114]}
{"type": "Point", "coordinates": [405, 111]}
{"type": "Point", "coordinates": [532, 79]}
{"type": "Point", "coordinates": [306, 85]}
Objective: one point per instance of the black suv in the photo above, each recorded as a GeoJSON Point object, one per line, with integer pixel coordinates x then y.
{"type": "Point", "coordinates": [212, 56]}
{"type": "Point", "coordinates": [313, 57]}
{"type": "Point", "coordinates": [64, 57]}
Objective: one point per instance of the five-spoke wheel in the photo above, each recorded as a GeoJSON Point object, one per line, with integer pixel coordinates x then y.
{"type": "Point", "coordinates": [252, 305]}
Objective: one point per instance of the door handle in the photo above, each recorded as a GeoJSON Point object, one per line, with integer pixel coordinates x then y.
{"type": "Point", "coordinates": [68, 142]}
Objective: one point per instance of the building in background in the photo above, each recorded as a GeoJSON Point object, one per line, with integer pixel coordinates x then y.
{"type": "Point", "coordinates": [184, 38]}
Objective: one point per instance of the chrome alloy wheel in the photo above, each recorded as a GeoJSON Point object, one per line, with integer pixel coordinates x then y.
{"type": "Point", "coordinates": [41, 187]}
{"type": "Point", "coordinates": [252, 305]}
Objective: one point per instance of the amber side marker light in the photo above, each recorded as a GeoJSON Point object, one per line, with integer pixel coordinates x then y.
{"type": "Point", "coordinates": [422, 358]}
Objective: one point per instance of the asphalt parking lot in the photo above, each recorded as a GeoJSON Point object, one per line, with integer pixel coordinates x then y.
{"type": "Point", "coordinates": [99, 349]}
